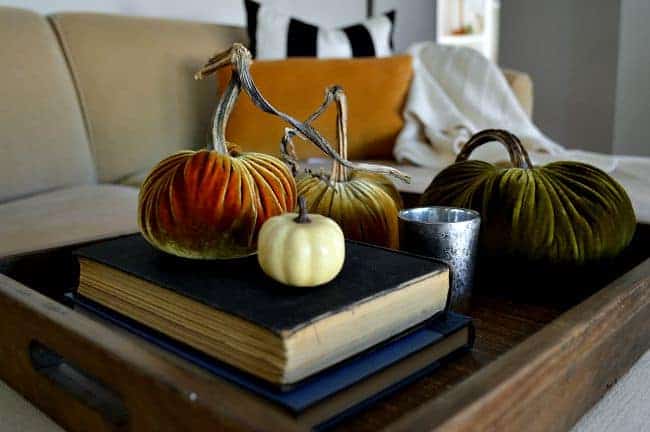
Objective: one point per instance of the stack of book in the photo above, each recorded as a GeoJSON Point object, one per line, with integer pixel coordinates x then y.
{"type": "Point", "coordinates": [316, 355]}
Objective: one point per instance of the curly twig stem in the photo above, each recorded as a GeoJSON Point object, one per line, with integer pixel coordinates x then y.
{"type": "Point", "coordinates": [221, 114]}
{"type": "Point", "coordinates": [340, 172]}
{"type": "Point", "coordinates": [518, 155]}
{"type": "Point", "coordinates": [240, 58]}
{"type": "Point", "coordinates": [288, 151]}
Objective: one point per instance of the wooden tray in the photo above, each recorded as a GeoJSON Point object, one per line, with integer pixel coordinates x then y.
{"type": "Point", "coordinates": [545, 352]}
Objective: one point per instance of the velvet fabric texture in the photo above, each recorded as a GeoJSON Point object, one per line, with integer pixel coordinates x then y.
{"type": "Point", "coordinates": [567, 213]}
{"type": "Point", "coordinates": [365, 205]}
{"type": "Point", "coordinates": [376, 87]}
{"type": "Point", "coordinates": [208, 205]}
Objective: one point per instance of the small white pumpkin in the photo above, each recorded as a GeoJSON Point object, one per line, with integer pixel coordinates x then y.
{"type": "Point", "coordinates": [301, 250]}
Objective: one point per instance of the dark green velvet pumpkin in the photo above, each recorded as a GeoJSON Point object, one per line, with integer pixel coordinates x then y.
{"type": "Point", "coordinates": [560, 213]}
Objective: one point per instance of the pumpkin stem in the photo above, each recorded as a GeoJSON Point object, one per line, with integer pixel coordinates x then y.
{"type": "Point", "coordinates": [226, 101]}
{"type": "Point", "coordinates": [303, 217]}
{"type": "Point", "coordinates": [287, 148]}
{"type": "Point", "coordinates": [288, 151]}
{"type": "Point", "coordinates": [340, 172]}
{"type": "Point", "coordinates": [241, 59]}
{"type": "Point", "coordinates": [222, 113]}
{"type": "Point", "coordinates": [518, 154]}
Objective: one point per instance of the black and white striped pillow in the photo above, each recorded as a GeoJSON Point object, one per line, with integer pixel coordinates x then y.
{"type": "Point", "coordinates": [275, 35]}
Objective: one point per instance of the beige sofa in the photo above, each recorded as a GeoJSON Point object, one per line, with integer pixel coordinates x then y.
{"type": "Point", "coordinates": [89, 103]}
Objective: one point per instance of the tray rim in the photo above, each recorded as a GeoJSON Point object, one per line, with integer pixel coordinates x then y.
{"type": "Point", "coordinates": [465, 408]}
{"type": "Point", "coordinates": [490, 398]}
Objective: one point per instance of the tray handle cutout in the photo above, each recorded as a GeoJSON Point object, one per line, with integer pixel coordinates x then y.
{"type": "Point", "coordinates": [81, 385]}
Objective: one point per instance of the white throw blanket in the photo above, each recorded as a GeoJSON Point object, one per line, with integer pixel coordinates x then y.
{"type": "Point", "coordinates": [456, 92]}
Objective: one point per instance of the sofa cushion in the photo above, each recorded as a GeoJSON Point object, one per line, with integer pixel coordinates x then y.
{"type": "Point", "coordinates": [66, 217]}
{"type": "Point", "coordinates": [43, 143]}
{"type": "Point", "coordinates": [376, 89]}
{"type": "Point", "coordinates": [136, 86]}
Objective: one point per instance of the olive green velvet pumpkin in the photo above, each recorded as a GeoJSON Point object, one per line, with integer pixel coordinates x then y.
{"type": "Point", "coordinates": [363, 201]}
{"type": "Point", "coordinates": [560, 213]}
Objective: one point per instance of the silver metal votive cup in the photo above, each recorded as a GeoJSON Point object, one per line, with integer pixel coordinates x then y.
{"type": "Point", "coordinates": [449, 234]}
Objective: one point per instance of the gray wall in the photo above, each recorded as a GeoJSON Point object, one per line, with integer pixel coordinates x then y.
{"type": "Point", "coordinates": [570, 48]}
{"type": "Point", "coordinates": [416, 20]}
{"type": "Point", "coordinates": [632, 124]}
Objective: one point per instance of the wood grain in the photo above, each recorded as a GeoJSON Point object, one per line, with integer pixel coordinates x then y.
{"type": "Point", "coordinates": [556, 343]}
{"type": "Point", "coordinates": [568, 365]}
{"type": "Point", "coordinates": [160, 394]}
{"type": "Point", "coordinates": [512, 315]}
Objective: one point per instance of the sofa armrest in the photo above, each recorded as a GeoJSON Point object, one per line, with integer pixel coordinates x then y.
{"type": "Point", "coordinates": [522, 86]}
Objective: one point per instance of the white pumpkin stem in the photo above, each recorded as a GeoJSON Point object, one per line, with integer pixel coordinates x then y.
{"type": "Point", "coordinates": [241, 59]}
{"type": "Point", "coordinates": [303, 216]}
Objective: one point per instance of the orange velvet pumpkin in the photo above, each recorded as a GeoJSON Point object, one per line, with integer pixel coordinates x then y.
{"type": "Point", "coordinates": [211, 203]}
{"type": "Point", "coordinates": [208, 205]}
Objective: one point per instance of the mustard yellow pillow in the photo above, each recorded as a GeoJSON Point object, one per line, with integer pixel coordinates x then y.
{"type": "Point", "coordinates": [376, 90]}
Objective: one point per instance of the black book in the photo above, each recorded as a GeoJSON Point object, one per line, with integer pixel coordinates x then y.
{"type": "Point", "coordinates": [232, 311]}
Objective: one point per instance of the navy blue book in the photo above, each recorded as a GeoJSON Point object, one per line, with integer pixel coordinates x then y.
{"type": "Point", "coordinates": [339, 391]}
{"type": "Point", "coordinates": [232, 311]}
